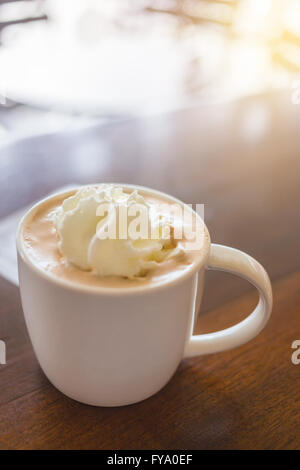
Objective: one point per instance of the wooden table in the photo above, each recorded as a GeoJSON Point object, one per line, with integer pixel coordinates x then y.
{"type": "Point", "coordinates": [242, 160]}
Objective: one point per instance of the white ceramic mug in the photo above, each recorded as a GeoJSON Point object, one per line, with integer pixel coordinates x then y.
{"type": "Point", "coordinates": [112, 347]}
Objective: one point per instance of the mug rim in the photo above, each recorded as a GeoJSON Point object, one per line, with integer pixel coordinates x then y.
{"type": "Point", "coordinates": [100, 290]}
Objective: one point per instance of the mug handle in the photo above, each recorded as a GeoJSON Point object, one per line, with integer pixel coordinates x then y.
{"type": "Point", "coordinates": [233, 261]}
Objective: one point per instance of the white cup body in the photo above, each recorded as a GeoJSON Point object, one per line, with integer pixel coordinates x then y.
{"type": "Point", "coordinates": [107, 350]}
{"type": "Point", "coordinates": [106, 347]}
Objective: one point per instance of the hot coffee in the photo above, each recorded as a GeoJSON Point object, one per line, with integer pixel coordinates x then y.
{"type": "Point", "coordinates": [65, 237]}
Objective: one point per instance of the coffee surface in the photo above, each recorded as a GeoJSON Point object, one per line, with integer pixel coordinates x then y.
{"type": "Point", "coordinates": [41, 244]}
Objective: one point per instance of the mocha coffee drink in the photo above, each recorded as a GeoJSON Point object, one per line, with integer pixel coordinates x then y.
{"type": "Point", "coordinates": [110, 277]}
{"type": "Point", "coordinates": [110, 236]}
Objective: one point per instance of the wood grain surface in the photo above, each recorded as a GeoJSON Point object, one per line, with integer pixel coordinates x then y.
{"type": "Point", "coordinates": [242, 160]}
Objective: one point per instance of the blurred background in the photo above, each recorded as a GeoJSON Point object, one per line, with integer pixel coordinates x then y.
{"type": "Point", "coordinates": [71, 62]}
{"type": "Point", "coordinates": [197, 98]}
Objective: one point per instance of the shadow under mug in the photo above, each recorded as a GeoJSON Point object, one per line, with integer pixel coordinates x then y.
{"type": "Point", "coordinates": [112, 347]}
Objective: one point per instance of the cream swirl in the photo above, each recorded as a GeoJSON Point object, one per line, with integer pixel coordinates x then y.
{"type": "Point", "coordinates": [89, 222]}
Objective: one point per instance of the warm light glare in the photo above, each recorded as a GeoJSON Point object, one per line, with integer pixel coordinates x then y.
{"type": "Point", "coordinates": [114, 57]}
{"type": "Point", "coordinates": [292, 16]}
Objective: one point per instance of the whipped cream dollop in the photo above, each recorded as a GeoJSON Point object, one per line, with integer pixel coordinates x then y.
{"type": "Point", "coordinates": [88, 225]}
